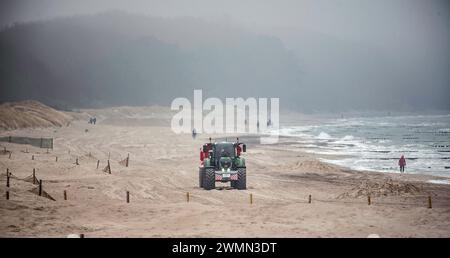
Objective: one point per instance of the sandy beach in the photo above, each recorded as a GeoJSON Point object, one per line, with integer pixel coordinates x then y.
{"type": "Point", "coordinates": [163, 167]}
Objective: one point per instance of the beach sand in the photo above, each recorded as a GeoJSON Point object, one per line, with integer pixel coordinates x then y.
{"type": "Point", "coordinates": [163, 167]}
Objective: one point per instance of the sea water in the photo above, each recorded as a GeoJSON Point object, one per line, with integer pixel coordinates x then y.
{"type": "Point", "coordinates": [377, 143]}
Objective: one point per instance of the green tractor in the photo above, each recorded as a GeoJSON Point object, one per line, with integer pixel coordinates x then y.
{"type": "Point", "coordinates": [222, 162]}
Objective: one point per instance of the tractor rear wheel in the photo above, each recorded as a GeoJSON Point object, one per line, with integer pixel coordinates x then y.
{"type": "Point", "coordinates": [241, 183]}
{"type": "Point", "coordinates": [201, 175]}
{"type": "Point", "coordinates": [209, 179]}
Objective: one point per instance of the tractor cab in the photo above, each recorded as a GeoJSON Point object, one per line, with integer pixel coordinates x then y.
{"type": "Point", "coordinates": [222, 149]}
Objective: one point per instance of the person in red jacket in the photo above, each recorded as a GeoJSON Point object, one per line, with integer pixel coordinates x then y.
{"type": "Point", "coordinates": [402, 164]}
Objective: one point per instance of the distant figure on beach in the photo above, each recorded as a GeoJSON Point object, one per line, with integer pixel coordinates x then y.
{"type": "Point", "coordinates": [402, 163]}
{"type": "Point", "coordinates": [94, 120]}
{"type": "Point", "coordinates": [194, 133]}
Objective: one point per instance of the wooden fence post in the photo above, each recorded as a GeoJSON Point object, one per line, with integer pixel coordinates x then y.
{"type": "Point", "coordinates": [7, 195]}
{"type": "Point", "coordinates": [65, 195]}
{"type": "Point", "coordinates": [98, 163]}
{"type": "Point", "coordinates": [128, 197]}
{"type": "Point", "coordinates": [10, 154]}
{"type": "Point", "coordinates": [76, 161]}
{"type": "Point", "coordinates": [128, 159]}
{"type": "Point", "coordinates": [40, 187]}
{"type": "Point", "coordinates": [32, 157]}
{"type": "Point", "coordinates": [187, 197]}
{"type": "Point", "coordinates": [429, 202]}
{"type": "Point", "coordinates": [309, 199]}
{"type": "Point", "coordinates": [7, 177]}
{"type": "Point", "coordinates": [109, 167]}
{"type": "Point", "coordinates": [368, 200]}
{"type": "Point", "coordinates": [34, 176]}
{"type": "Point", "coordinates": [56, 158]}
{"type": "Point", "coordinates": [251, 198]}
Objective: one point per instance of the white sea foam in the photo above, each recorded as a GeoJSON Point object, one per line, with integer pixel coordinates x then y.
{"type": "Point", "coordinates": [347, 138]}
{"type": "Point", "coordinates": [323, 136]}
{"type": "Point", "coordinates": [440, 181]}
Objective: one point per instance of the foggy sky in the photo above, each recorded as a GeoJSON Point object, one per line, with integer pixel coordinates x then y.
{"type": "Point", "coordinates": [388, 23]}
{"type": "Point", "coordinates": [413, 35]}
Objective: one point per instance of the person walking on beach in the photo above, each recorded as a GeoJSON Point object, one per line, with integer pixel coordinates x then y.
{"type": "Point", "coordinates": [402, 163]}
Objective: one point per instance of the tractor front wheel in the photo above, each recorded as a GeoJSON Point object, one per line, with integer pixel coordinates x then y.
{"type": "Point", "coordinates": [209, 179]}
{"type": "Point", "coordinates": [201, 175]}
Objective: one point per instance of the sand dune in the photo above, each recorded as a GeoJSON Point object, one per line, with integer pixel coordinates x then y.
{"type": "Point", "coordinates": [31, 114]}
